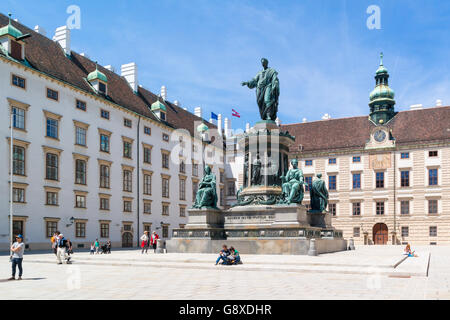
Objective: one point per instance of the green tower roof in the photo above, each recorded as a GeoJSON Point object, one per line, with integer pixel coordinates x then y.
{"type": "Point", "coordinates": [10, 29]}
{"type": "Point", "coordinates": [97, 75]}
{"type": "Point", "coordinates": [157, 105]}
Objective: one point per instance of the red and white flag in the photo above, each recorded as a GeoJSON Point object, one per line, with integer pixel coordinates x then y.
{"type": "Point", "coordinates": [235, 113]}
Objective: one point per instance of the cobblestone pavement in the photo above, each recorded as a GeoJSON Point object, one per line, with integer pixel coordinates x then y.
{"type": "Point", "coordinates": [366, 273]}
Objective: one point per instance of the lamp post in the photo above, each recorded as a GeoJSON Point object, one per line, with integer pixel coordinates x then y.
{"type": "Point", "coordinates": [11, 215]}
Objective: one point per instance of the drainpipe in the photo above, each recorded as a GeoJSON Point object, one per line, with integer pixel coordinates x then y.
{"type": "Point", "coordinates": [137, 180]}
{"type": "Point", "coordinates": [395, 199]}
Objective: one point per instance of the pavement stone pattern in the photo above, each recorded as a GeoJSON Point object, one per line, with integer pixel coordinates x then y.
{"type": "Point", "coordinates": [365, 273]}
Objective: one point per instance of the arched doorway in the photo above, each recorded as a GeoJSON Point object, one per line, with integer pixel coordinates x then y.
{"type": "Point", "coordinates": [127, 240]}
{"type": "Point", "coordinates": [380, 233]}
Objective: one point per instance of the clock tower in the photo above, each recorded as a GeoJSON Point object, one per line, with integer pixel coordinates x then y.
{"type": "Point", "coordinates": [382, 97]}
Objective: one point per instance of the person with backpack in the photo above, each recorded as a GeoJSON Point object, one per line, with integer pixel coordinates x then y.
{"type": "Point", "coordinates": [61, 253]}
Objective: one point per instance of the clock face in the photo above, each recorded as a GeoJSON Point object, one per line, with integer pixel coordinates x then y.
{"type": "Point", "coordinates": [379, 135]}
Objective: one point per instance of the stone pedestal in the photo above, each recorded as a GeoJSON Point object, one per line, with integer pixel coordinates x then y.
{"type": "Point", "coordinates": [204, 218]}
{"type": "Point", "coordinates": [319, 219]}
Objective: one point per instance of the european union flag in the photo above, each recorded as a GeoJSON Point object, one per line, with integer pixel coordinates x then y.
{"type": "Point", "coordinates": [214, 116]}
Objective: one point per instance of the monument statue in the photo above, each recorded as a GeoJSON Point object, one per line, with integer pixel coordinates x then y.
{"type": "Point", "coordinates": [206, 195]}
{"type": "Point", "coordinates": [267, 91]}
{"type": "Point", "coordinates": [292, 184]}
{"type": "Point", "coordinates": [256, 172]}
{"type": "Point", "coordinates": [319, 194]}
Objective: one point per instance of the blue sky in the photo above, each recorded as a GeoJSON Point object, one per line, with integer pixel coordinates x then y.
{"type": "Point", "coordinates": [324, 53]}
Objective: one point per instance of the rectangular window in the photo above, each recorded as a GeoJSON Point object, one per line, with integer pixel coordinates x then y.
{"type": "Point", "coordinates": [182, 212]}
{"type": "Point", "coordinates": [332, 209]}
{"type": "Point", "coordinates": [126, 206]}
{"type": "Point", "coordinates": [51, 198]}
{"type": "Point", "coordinates": [104, 143]}
{"type": "Point", "coordinates": [80, 201]}
{"type": "Point", "coordinates": [80, 105]}
{"type": "Point", "coordinates": [356, 206]}
{"type": "Point", "coordinates": [51, 227]}
{"type": "Point", "coordinates": [165, 187]}
{"type": "Point", "coordinates": [308, 183]}
{"type": "Point", "coordinates": [332, 161]}
{"type": "Point", "coordinates": [165, 231]}
{"type": "Point", "coordinates": [404, 155]}
{"type": "Point", "coordinates": [102, 87]}
{"type": "Point", "coordinates": [18, 118]}
{"type": "Point", "coordinates": [80, 136]}
{"type": "Point", "coordinates": [182, 189]}
{"type": "Point", "coordinates": [404, 207]}
{"type": "Point", "coordinates": [18, 81]}
{"type": "Point", "coordinates": [433, 154]}
{"type": "Point", "coordinates": [182, 167]}
{"type": "Point", "coordinates": [165, 210]}
{"type": "Point", "coordinates": [380, 208]}
{"type": "Point", "coordinates": [18, 195]}
{"type": "Point", "coordinates": [165, 160]}
{"type": "Point", "coordinates": [432, 207]}
{"type": "Point", "coordinates": [357, 181]}
{"type": "Point", "coordinates": [104, 176]}
{"type": "Point", "coordinates": [104, 204]}
{"type": "Point", "coordinates": [404, 178]}
{"type": "Point", "coordinates": [52, 128]}
{"type": "Point", "coordinates": [127, 123]}
{"type": "Point", "coordinates": [433, 231]}
{"type": "Point", "coordinates": [147, 207]}
{"type": "Point", "coordinates": [356, 232]}
{"type": "Point", "coordinates": [405, 231]}
{"type": "Point", "coordinates": [433, 177]}
{"type": "Point", "coordinates": [104, 230]}
{"type": "Point", "coordinates": [195, 169]}
{"type": "Point", "coordinates": [147, 184]}
{"type": "Point", "coordinates": [104, 114]}
{"type": "Point", "coordinates": [80, 229]}
{"type": "Point", "coordinates": [331, 182]}
{"type": "Point", "coordinates": [308, 162]}
{"type": "Point", "coordinates": [127, 181]}
{"type": "Point", "coordinates": [52, 94]}
{"type": "Point", "coordinates": [51, 163]}
{"type": "Point", "coordinates": [80, 171]}
{"type": "Point", "coordinates": [231, 189]}
{"type": "Point", "coordinates": [147, 155]}
{"type": "Point", "coordinates": [356, 159]}
{"type": "Point", "coordinates": [379, 180]}
{"type": "Point", "coordinates": [165, 137]}
{"type": "Point", "coordinates": [18, 160]}
{"type": "Point", "coordinates": [194, 190]}
{"type": "Point", "coordinates": [127, 149]}
{"type": "Point", "coordinates": [147, 130]}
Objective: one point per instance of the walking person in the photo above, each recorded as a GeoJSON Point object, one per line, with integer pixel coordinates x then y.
{"type": "Point", "coordinates": [153, 240]}
{"type": "Point", "coordinates": [97, 246]}
{"type": "Point", "coordinates": [144, 242]}
{"type": "Point", "coordinates": [17, 249]}
{"type": "Point", "coordinates": [54, 240]}
{"type": "Point", "coordinates": [61, 253]}
{"type": "Point", "coordinates": [92, 248]}
{"type": "Point", "coordinates": [69, 250]}
{"type": "Point", "coordinates": [108, 246]}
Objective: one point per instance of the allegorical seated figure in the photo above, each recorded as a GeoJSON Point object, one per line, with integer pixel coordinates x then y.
{"type": "Point", "coordinates": [292, 184]}
{"type": "Point", "coordinates": [319, 194]}
{"type": "Point", "coordinates": [206, 194]}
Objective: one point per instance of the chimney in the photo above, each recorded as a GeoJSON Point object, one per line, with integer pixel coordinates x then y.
{"type": "Point", "coordinates": [129, 72]}
{"type": "Point", "coordinates": [326, 116]}
{"type": "Point", "coordinates": [177, 103]}
{"type": "Point", "coordinates": [40, 30]}
{"type": "Point", "coordinates": [304, 120]}
{"type": "Point", "coordinates": [164, 92]}
{"type": "Point", "coordinates": [247, 127]}
{"type": "Point", "coordinates": [219, 123]}
{"type": "Point", "coordinates": [198, 111]}
{"type": "Point", "coordinates": [110, 68]}
{"type": "Point", "coordinates": [438, 103]}
{"type": "Point", "coordinates": [227, 127]}
{"type": "Point", "coordinates": [185, 109]}
{"type": "Point", "coordinates": [416, 107]}
{"type": "Point", "coordinates": [62, 36]}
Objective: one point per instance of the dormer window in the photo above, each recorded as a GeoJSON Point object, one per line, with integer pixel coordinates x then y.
{"type": "Point", "coordinates": [159, 109]}
{"type": "Point", "coordinates": [11, 39]}
{"type": "Point", "coordinates": [98, 81]}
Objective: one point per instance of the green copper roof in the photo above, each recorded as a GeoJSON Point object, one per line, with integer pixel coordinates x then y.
{"type": "Point", "coordinates": [10, 29]}
{"type": "Point", "coordinates": [157, 105]}
{"type": "Point", "coordinates": [382, 91]}
{"type": "Point", "coordinates": [202, 128]}
{"type": "Point", "coordinates": [97, 75]}
{"type": "Point", "coordinates": [381, 68]}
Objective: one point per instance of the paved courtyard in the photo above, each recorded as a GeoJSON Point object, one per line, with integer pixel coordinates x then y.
{"type": "Point", "coordinates": [371, 272]}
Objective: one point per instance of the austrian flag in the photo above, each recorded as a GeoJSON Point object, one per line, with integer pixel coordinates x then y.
{"type": "Point", "coordinates": [235, 113]}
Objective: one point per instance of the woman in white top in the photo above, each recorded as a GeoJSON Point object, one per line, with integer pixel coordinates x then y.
{"type": "Point", "coordinates": [144, 243]}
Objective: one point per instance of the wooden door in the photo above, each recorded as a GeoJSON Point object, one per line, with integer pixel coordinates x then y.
{"type": "Point", "coordinates": [127, 240]}
{"type": "Point", "coordinates": [380, 233]}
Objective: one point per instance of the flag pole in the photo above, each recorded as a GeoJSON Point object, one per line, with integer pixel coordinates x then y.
{"type": "Point", "coordinates": [11, 183]}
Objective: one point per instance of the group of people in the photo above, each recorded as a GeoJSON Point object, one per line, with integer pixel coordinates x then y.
{"type": "Point", "coordinates": [62, 248]}
{"type": "Point", "coordinates": [147, 241]}
{"type": "Point", "coordinates": [95, 247]}
{"type": "Point", "coordinates": [228, 256]}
